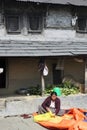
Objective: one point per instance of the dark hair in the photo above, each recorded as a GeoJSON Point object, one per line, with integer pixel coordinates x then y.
{"type": "Point", "coordinates": [53, 93]}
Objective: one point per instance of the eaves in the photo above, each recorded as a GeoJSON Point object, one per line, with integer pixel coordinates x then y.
{"type": "Point", "coordinates": [64, 2]}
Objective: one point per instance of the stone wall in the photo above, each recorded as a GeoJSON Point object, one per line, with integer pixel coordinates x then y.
{"type": "Point", "coordinates": [59, 17]}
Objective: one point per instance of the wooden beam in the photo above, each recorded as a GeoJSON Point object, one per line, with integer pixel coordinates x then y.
{"type": "Point", "coordinates": [42, 85]}
{"type": "Point", "coordinates": [86, 75]}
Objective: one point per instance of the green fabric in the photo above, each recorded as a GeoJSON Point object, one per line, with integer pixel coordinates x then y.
{"type": "Point", "coordinates": [57, 90]}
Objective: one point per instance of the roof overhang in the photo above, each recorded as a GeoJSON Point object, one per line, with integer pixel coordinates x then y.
{"type": "Point", "coordinates": [64, 2]}
{"type": "Point", "coordinates": [21, 48]}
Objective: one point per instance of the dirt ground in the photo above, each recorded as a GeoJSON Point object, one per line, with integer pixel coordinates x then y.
{"type": "Point", "coordinates": [19, 123]}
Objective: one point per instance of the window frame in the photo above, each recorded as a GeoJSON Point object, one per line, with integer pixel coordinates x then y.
{"type": "Point", "coordinates": [41, 23]}
{"type": "Point", "coordinates": [77, 25]}
{"type": "Point", "coordinates": [19, 23]}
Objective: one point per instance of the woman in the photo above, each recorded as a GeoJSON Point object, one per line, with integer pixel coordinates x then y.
{"type": "Point", "coordinates": [51, 103]}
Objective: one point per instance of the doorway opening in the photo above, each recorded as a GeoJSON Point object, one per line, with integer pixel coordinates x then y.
{"type": "Point", "coordinates": [2, 73]}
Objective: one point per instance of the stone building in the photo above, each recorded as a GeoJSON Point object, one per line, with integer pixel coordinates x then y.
{"type": "Point", "coordinates": [33, 31]}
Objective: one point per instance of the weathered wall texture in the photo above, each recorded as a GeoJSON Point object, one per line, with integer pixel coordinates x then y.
{"type": "Point", "coordinates": [58, 17]}
{"type": "Point", "coordinates": [74, 69]}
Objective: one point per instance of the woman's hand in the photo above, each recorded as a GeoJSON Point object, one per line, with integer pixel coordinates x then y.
{"type": "Point", "coordinates": [48, 109]}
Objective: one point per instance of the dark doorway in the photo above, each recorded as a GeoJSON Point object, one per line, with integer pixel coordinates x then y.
{"type": "Point", "coordinates": [57, 75]}
{"type": "Point", "coordinates": [2, 73]}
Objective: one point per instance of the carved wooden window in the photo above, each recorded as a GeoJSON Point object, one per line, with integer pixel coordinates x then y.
{"type": "Point", "coordinates": [81, 24]}
{"type": "Point", "coordinates": [13, 23]}
{"type": "Point", "coordinates": [35, 23]}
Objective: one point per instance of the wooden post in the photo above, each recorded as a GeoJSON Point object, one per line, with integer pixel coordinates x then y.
{"type": "Point", "coordinates": [85, 75]}
{"type": "Point", "coordinates": [41, 68]}
{"type": "Point", "coordinates": [42, 85]}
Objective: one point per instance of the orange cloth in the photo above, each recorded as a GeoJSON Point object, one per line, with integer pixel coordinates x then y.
{"type": "Point", "coordinates": [73, 120]}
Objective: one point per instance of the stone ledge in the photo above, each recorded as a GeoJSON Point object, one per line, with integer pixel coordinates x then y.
{"type": "Point", "coordinates": [29, 104]}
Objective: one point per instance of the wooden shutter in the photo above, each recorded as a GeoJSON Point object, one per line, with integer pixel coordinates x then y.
{"type": "Point", "coordinates": [81, 24]}
{"type": "Point", "coordinates": [35, 23]}
{"type": "Point", "coordinates": [12, 23]}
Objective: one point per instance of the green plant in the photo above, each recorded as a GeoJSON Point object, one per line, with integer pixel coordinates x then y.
{"type": "Point", "coordinates": [66, 88]}
{"type": "Point", "coordinates": [49, 88]}
{"type": "Point", "coordinates": [34, 90]}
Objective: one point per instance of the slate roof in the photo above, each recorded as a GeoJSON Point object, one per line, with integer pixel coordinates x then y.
{"type": "Point", "coordinates": [71, 2]}
{"type": "Point", "coordinates": [42, 48]}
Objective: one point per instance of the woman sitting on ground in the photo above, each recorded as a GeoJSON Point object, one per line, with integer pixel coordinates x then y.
{"type": "Point", "coordinates": [51, 103]}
